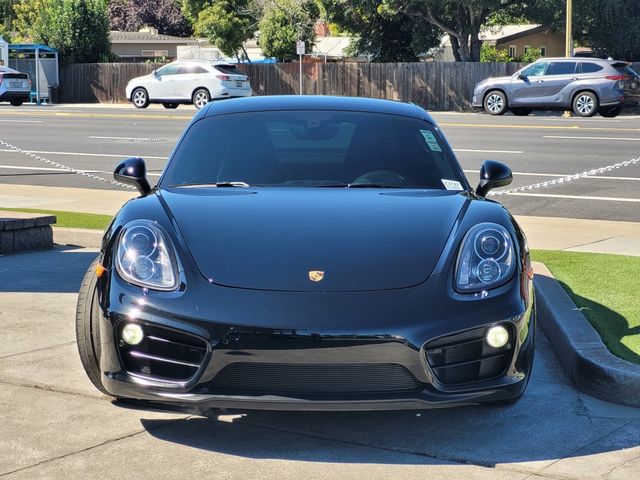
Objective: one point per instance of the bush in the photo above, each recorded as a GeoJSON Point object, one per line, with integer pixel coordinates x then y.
{"type": "Point", "coordinates": [489, 53]}
{"type": "Point", "coordinates": [530, 55]}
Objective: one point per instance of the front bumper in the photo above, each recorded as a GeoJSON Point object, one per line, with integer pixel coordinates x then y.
{"type": "Point", "coordinates": [370, 329]}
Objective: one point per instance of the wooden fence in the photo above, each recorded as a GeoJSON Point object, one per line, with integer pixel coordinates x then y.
{"type": "Point", "coordinates": [436, 86]}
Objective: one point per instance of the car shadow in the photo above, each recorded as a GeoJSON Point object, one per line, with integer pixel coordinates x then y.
{"type": "Point", "coordinates": [59, 270]}
{"type": "Point", "coordinates": [550, 422]}
{"type": "Point", "coordinates": [617, 325]}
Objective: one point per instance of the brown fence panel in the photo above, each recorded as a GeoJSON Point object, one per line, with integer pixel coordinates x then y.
{"type": "Point", "coordinates": [436, 86]}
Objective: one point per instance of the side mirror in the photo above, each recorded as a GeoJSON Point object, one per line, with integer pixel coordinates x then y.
{"type": "Point", "coordinates": [521, 76]}
{"type": "Point", "coordinates": [133, 171]}
{"type": "Point", "coordinates": [493, 175]}
{"type": "Point", "coordinates": [155, 73]}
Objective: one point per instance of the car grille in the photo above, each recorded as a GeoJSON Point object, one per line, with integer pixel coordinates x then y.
{"type": "Point", "coordinates": [466, 357]}
{"type": "Point", "coordinates": [288, 379]}
{"type": "Point", "coordinates": [163, 354]}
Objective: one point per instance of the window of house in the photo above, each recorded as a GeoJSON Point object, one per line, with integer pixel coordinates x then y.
{"type": "Point", "coordinates": [527, 48]}
{"type": "Point", "coordinates": [513, 51]}
{"type": "Point", "coordinates": [155, 53]}
{"type": "Point", "coordinates": [543, 51]}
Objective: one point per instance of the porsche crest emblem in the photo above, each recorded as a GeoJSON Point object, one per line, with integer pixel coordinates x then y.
{"type": "Point", "coordinates": [316, 275]}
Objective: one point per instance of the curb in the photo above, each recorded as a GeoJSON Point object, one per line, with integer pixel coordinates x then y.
{"type": "Point", "coordinates": [579, 348]}
{"type": "Point", "coordinates": [78, 237]}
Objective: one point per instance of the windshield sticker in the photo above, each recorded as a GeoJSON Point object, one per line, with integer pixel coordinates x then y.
{"type": "Point", "coordinates": [431, 140]}
{"type": "Point", "coordinates": [451, 184]}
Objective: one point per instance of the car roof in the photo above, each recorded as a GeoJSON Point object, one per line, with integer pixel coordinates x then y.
{"type": "Point", "coordinates": [8, 70]}
{"type": "Point", "coordinates": [314, 102]}
{"type": "Point", "coordinates": [573, 59]}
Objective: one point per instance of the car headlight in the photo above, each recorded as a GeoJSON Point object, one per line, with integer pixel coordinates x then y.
{"type": "Point", "coordinates": [145, 258]}
{"type": "Point", "coordinates": [486, 259]}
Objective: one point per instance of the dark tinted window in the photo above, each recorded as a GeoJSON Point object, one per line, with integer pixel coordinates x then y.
{"type": "Point", "coordinates": [588, 67]}
{"type": "Point", "coordinates": [313, 148]}
{"type": "Point", "coordinates": [228, 69]}
{"type": "Point", "coordinates": [561, 68]}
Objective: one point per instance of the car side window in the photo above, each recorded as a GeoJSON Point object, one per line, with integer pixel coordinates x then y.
{"type": "Point", "coordinates": [561, 68]}
{"type": "Point", "coordinates": [588, 67]}
{"type": "Point", "coordinates": [168, 70]}
{"type": "Point", "coordinates": [535, 70]}
{"type": "Point", "coordinates": [191, 69]}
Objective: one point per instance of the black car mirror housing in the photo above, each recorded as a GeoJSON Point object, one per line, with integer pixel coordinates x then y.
{"type": "Point", "coordinates": [133, 171]}
{"type": "Point", "coordinates": [493, 175]}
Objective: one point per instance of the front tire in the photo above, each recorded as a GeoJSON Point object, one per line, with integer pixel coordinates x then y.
{"type": "Point", "coordinates": [585, 104]}
{"type": "Point", "coordinates": [140, 98]}
{"type": "Point", "coordinates": [17, 103]}
{"type": "Point", "coordinates": [87, 328]}
{"type": "Point", "coordinates": [201, 97]}
{"type": "Point", "coordinates": [610, 112]}
{"type": "Point", "coordinates": [495, 103]}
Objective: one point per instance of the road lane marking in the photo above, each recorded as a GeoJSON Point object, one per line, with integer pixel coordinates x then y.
{"type": "Point", "coordinates": [78, 154]}
{"type": "Point", "coordinates": [44, 169]}
{"type": "Point", "coordinates": [22, 121]}
{"type": "Point", "coordinates": [567, 137]}
{"type": "Point", "coordinates": [560, 175]}
{"type": "Point", "coordinates": [540, 127]}
{"type": "Point", "coordinates": [138, 116]}
{"type": "Point", "coordinates": [575, 197]}
{"type": "Point", "coordinates": [466, 150]}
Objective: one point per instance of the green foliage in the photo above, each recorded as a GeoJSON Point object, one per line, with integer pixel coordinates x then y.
{"type": "Point", "coordinates": [489, 53]}
{"type": "Point", "coordinates": [382, 33]}
{"type": "Point", "coordinates": [191, 8]}
{"type": "Point", "coordinates": [79, 29]}
{"type": "Point", "coordinates": [225, 23]}
{"type": "Point", "coordinates": [283, 23]}
{"type": "Point", "coordinates": [530, 55]}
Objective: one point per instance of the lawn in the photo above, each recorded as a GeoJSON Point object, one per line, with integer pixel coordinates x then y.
{"type": "Point", "coordinates": [607, 289]}
{"type": "Point", "coordinates": [71, 219]}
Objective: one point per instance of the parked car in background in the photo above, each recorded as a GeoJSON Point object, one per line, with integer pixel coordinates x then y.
{"type": "Point", "coordinates": [194, 83]}
{"type": "Point", "coordinates": [310, 253]}
{"type": "Point", "coordinates": [585, 85]}
{"type": "Point", "coordinates": [15, 87]}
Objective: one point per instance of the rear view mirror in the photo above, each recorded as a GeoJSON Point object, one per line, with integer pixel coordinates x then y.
{"type": "Point", "coordinates": [493, 175]}
{"type": "Point", "coordinates": [133, 171]}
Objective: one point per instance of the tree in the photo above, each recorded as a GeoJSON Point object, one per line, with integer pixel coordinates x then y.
{"type": "Point", "coordinates": [79, 29]}
{"type": "Point", "coordinates": [165, 15]}
{"type": "Point", "coordinates": [385, 36]}
{"type": "Point", "coordinates": [462, 21]}
{"type": "Point", "coordinates": [226, 24]}
{"type": "Point", "coordinates": [6, 15]}
{"type": "Point", "coordinates": [283, 23]}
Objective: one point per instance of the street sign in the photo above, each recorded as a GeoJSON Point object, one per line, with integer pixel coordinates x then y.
{"type": "Point", "coordinates": [300, 47]}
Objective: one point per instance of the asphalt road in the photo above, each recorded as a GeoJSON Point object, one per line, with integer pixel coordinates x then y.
{"type": "Point", "coordinates": [54, 424]}
{"type": "Point", "coordinates": [538, 148]}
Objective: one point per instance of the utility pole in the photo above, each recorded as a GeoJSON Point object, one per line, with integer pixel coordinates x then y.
{"type": "Point", "coordinates": [569, 24]}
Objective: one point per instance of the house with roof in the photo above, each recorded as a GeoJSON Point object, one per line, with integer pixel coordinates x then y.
{"type": "Point", "coordinates": [516, 40]}
{"type": "Point", "coordinates": [148, 44]}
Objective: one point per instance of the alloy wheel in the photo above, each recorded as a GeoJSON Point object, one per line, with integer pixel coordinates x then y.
{"type": "Point", "coordinates": [200, 99]}
{"type": "Point", "coordinates": [495, 103]}
{"type": "Point", "coordinates": [585, 104]}
{"type": "Point", "coordinates": [140, 98]}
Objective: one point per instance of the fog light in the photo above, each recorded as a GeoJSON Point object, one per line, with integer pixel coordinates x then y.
{"type": "Point", "coordinates": [132, 334]}
{"type": "Point", "coordinates": [497, 337]}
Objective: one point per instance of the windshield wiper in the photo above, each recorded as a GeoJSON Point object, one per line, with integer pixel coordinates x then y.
{"type": "Point", "coordinates": [371, 185]}
{"type": "Point", "coordinates": [214, 185]}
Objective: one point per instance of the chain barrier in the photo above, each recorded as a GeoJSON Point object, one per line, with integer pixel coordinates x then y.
{"type": "Point", "coordinates": [64, 167]}
{"type": "Point", "coordinates": [568, 178]}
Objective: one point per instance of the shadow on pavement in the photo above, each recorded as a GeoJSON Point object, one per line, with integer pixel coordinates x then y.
{"type": "Point", "coordinates": [47, 271]}
{"type": "Point", "coordinates": [550, 422]}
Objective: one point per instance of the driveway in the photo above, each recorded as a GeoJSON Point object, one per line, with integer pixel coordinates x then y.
{"type": "Point", "coordinates": [54, 424]}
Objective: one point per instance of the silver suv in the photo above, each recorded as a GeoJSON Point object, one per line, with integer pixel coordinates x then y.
{"type": "Point", "coordinates": [585, 85]}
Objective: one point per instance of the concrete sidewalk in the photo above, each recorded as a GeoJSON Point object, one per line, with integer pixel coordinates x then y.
{"type": "Point", "coordinates": [544, 233]}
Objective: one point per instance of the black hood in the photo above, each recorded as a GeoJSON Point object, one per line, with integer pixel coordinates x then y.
{"type": "Point", "coordinates": [272, 238]}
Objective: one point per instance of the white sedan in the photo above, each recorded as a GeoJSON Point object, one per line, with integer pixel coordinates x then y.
{"type": "Point", "coordinates": [188, 82]}
{"type": "Point", "coordinates": [15, 87]}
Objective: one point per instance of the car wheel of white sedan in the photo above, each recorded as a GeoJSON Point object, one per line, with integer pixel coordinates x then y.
{"type": "Point", "coordinates": [140, 98]}
{"type": "Point", "coordinates": [201, 97]}
{"type": "Point", "coordinates": [495, 103]}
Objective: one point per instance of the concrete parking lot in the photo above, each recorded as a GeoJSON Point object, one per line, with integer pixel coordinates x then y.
{"type": "Point", "coordinates": [56, 425]}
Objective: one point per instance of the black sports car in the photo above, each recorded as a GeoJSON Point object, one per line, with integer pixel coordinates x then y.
{"type": "Point", "coordinates": [313, 253]}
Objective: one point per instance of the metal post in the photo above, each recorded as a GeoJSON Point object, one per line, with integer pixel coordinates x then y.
{"type": "Point", "coordinates": [37, 76]}
{"type": "Point", "coordinates": [300, 60]}
{"type": "Point", "coordinates": [569, 24]}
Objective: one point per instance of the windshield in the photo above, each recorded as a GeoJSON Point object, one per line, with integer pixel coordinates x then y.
{"type": "Point", "coordinates": [316, 149]}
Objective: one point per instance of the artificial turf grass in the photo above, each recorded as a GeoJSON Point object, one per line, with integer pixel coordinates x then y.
{"type": "Point", "coordinates": [91, 221]}
{"type": "Point", "coordinates": [606, 288]}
